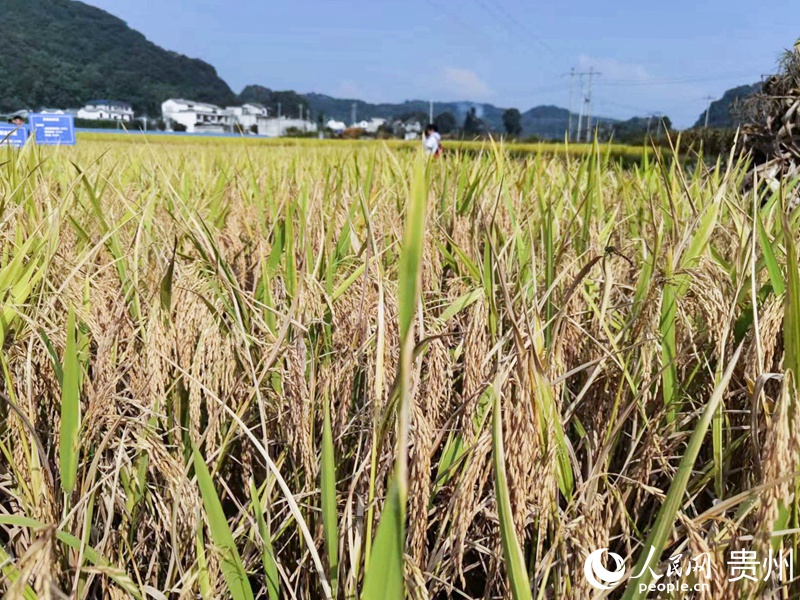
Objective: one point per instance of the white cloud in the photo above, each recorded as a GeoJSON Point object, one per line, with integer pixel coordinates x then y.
{"type": "Point", "coordinates": [465, 83]}
{"type": "Point", "coordinates": [613, 69]}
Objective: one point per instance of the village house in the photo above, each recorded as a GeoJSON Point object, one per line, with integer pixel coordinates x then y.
{"type": "Point", "coordinates": [374, 124]}
{"type": "Point", "coordinates": [408, 130]}
{"type": "Point", "coordinates": [370, 126]}
{"type": "Point", "coordinates": [19, 114]}
{"type": "Point", "coordinates": [192, 116]}
{"type": "Point", "coordinates": [282, 126]}
{"type": "Point", "coordinates": [336, 126]}
{"type": "Point", "coordinates": [248, 116]}
{"type": "Point", "coordinates": [106, 110]}
{"type": "Point", "coordinates": [197, 117]}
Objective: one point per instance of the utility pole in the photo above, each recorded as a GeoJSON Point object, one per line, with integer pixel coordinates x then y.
{"type": "Point", "coordinates": [580, 110]}
{"type": "Point", "coordinates": [571, 79]}
{"type": "Point", "coordinates": [430, 120]}
{"type": "Point", "coordinates": [708, 110]}
{"type": "Point", "coordinates": [353, 113]}
{"type": "Point", "coordinates": [300, 106]}
{"type": "Point", "coordinates": [592, 72]}
{"type": "Point", "coordinates": [279, 110]}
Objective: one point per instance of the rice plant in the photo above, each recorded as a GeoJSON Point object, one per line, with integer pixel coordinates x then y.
{"type": "Point", "coordinates": [242, 370]}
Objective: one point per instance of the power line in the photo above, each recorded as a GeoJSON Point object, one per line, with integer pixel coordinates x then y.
{"type": "Point", "coordinates": [583, 101]}
{"type": "Point", "coordinates": [519, 24]}
{"type": "Point", "coordinates": [603, 101]}
{"type": "Point", "coordinates": [513, 27]}
{"type": "Point", "coordinates": [592, 72]}
{"type": "Point", "coordinates": [571, 80]}
{"type": "Point", "coordinates": [437, 6]}
{"type": "Point", "coordinates": [666, 81]}
{"type": "Point", "coordinates": [580, 109]}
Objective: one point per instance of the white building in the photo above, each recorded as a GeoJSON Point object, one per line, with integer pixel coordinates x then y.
{"type": "Point", "coordinates": [374, 124]}
{"type": "Point", "coordinates": [408, 130]}
{"type": "Point", "coordinates": [248, 115]}
{"type": "Point", "coordinates": [106, 110]}
{"type": "Point", "coordinates": [336, 126]}
{"type": "Point", "coordinates": [22, 114]}
{"type": "Point", "coordinates": [280, 127]}
{"type": "Point", "coordinates": [196, 116]}
{"type": "Point", "coordinates": [370, 126]}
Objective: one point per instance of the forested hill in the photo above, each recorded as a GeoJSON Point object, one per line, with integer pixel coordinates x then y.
{"type": "Point", "coordinates": [62, 53]}
{"type": "Point", "coordinates": [722, 113]}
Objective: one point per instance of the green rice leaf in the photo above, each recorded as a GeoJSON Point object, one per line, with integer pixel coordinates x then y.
{"type": "Point", "coordinates": [383, 579]}
{"type": "Point", "coordinates": [267, 553]}
{"type": "Point", "coordinates": [328, 490]}
{"type": "Point", "coordinates": [774, 270]}
{"type": "Point", "coordinates": [230, 561]}
{"type": "Point", "coordinates": [512, 552]}
{"type": "Point", "coordinates": [69, 445]}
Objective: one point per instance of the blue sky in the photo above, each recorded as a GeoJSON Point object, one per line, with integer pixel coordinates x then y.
{"type": "Point", "coordinates": [652, 56]}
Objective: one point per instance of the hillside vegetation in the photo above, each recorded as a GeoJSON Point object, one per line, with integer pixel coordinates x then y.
{"type": "Point", "coordinates": [722, 113]}
{"type": "Point", "coordinates": [62, 53]}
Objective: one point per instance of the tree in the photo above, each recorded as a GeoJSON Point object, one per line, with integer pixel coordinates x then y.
{"type": "Point", "coordinates": [386, 130]}
{"type": "Point", "coordinates": [512, 121]}
{"type": "Point", "coordinates": [473, 126]}
{"type": "Point", "coordinates": [446, 122]}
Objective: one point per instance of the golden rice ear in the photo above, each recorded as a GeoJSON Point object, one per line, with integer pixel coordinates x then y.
{"type": "Point", "coordinates": [222, 288]}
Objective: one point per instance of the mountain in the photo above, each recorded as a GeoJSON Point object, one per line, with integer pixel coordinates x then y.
{"type": "Point", "coordinates": [341, 109]}
{"type": "Point", "coordinates": [551, 122]}
{"type": "Point", "coordinates": [722, 113]}
{"type": "Point", "coordinates": [546, 122]}
{"type": "Point", "coordinates": [634, 130]}
{"type": "Point", "coordinates": [63, 53]}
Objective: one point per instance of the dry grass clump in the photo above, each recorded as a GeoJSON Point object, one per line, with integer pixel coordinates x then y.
{"type": "Point", "coordinates": [209, 389]}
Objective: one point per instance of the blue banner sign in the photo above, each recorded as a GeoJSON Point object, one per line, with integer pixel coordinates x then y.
{"type": "Point", "coordinates": [13, 135]}
{"type": "Point", "coordinates": [53, 130]}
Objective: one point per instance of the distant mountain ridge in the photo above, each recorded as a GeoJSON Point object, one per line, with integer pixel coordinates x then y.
{"type": "Point", "coordinates": [547, 122]}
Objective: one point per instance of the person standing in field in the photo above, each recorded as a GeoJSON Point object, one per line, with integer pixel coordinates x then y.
{"type": "Point", "coordinates": [18, 121]}
{"type": "Point", "coordinates": [432, 141]}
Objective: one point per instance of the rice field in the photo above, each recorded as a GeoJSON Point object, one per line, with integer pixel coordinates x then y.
{"type": "Point", "coordinates": [240, 370]}
{"type": "Point", "coordinates": [618, 152]}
